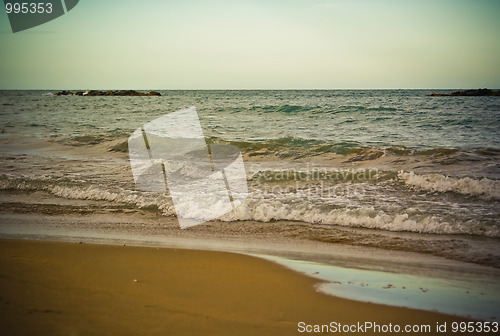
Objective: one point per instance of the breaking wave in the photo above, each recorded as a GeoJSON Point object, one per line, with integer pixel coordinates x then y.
{"type": "Point", "coordinates": [274, 209]}
{"type": "Point", "coordinates": [484, 188]}
{"type": "Point", "coordinates": [364, 217]}
{"type": "Point", "coordinates": [90, 192]}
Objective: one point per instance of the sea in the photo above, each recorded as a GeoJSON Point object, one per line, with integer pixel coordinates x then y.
{"type": "Point", "coordinates": [389, 160]}
{"type": "Point", "coordinates": [394, 169]}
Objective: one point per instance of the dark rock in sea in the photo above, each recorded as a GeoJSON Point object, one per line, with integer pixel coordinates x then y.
{"type": "Point", "coordinates": [468, 93]}
{"type": "Point", "coordinates": [108, 93]}
{"type": "Point", "coordinates": [64, 93]}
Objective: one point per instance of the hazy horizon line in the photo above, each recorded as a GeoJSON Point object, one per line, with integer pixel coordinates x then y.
{"type": "Point", "coordinates": [243, 89]}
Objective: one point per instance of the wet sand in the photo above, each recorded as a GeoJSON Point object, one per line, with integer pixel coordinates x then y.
{"type": "Point", "coordinates": [49, 288]}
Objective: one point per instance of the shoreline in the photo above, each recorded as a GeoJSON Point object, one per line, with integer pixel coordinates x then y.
{"type": "Point", "coordinates": [56, 288]}
{"type": "Point", "coordinates": [88, 218]}
{"type": "Point", "coordinates": [414, 272]}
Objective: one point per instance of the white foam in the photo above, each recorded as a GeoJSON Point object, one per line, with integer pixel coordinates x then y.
{"type": "Point", "coordinates": [486, 188]}
{"type": "Point", "coordinates": [138, 199]}
{"type": "Point", "coordinates": [363, 217]}
{"type": "Point", "coordinates": [271, 208]}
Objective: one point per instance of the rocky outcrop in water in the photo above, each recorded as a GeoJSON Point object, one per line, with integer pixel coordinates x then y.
{"type": "Point", "coordinates": [107, 93]}
{"type": "Point", "coordinates": [468, 93]}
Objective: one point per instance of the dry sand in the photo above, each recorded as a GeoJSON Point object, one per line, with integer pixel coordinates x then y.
{"type": "Point", "coordinates": [82, 289]}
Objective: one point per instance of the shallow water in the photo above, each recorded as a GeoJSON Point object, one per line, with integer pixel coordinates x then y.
{"type": "Point", "coordinates": [388, 160]}
{"type": "Point", "coordinates": [458, 294]}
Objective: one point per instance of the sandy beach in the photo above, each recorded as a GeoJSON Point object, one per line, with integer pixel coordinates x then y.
{"type": "Point", "coordinates": [50, 288]}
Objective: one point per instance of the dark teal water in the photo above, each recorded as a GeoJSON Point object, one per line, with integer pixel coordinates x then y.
{"type": "Point", "coordinates": [407, 118]}
{"type": "Point", "coordinates": [438, 158]}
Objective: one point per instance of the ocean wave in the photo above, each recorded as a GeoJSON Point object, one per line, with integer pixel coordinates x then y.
{"type": "Point", "coordinates": [359, 108]}
{"type": "Point", "coordinates": [89, 192]}
{"type": "Point", "coordinates": [293, 147]}
{"type": "Point", "coordinates": [304, 147]}
{"type": "Point", "coordinates": [272, 208]}
{"type": "Point", "coordinates": [290, 147]}
{"type": "Point", "coordinates": [485, 188]}
{"type": "Point", "coordinates": [363, 217]}
{"type": "Point", "coordinates": [287, 109]}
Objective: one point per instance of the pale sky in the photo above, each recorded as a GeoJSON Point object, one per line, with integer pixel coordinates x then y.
{"type": "Point", "coordinates": [258, 44]}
